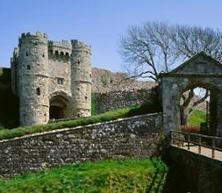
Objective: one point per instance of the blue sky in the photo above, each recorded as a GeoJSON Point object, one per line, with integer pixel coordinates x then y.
{"type": "Point", "coordinates": [100, 23]}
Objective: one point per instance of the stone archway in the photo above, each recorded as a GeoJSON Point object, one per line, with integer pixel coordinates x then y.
{"type": "Point", "coordinates": [58, 106]}
{"type": "Point", "coordinates": [211, 122]}
{"type": "Point", "coordinates": [201, 70]}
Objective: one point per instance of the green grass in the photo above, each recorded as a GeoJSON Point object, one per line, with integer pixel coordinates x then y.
{"type": "Point", "coordinates": [197, 117]}
{"type": "Point", "coordinates": [125, 176]}
{"type": "Point", "coordinates": [108, 116]}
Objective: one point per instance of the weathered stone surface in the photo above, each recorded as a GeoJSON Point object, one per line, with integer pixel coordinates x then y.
{"type": "Point", "coordinates": [199, 71]}
{"type": "Point", "coordinates": [106, 81]}
{"type": "Point", "coordinates": [191, 172]}
{"type": "Point", "coordinates": [51, 74]}
{"type": "Point", "coordinates": [138, 136]}
{"type": "Point", "coordinates": [119, 99]}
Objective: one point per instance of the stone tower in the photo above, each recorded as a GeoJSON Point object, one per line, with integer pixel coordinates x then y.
{"type": "Point", "coordinates": [81, 79]}
{"type": "Point", "coordinates": [33, 78]}
{"type": "Point", "coordinates": [52, 79]}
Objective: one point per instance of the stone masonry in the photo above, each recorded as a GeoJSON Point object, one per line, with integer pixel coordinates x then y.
{"type": "Point", "coordinates": [136, 137]}
{"type": "Point", "coordinates": [120, 99]}
{"type": "Point", "coordinates": [199, 71]}
{"type": "Point", "coordinates": [51, 79]}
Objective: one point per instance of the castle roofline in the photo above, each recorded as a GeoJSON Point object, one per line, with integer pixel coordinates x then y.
{"type": "Point", "coordinates": [64, 44]}
{"type": "Point", "coordinates": [36, 34]}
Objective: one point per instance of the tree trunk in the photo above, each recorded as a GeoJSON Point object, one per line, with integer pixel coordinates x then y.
{"type": "Point", "coordinates": [184, 114]}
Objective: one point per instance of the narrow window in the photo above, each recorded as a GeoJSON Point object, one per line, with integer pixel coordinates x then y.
{"type": "Point", "coordinates": [60, 81]}
{"type": "Point", "coordinates": [78, 61]}
{"type": "Point", "coordinates": [28, 67]}
{"type": "Point", "coordinates": [86, 97]}
{"type": "Point", "coordinates": [56, 53]}
{"type": "Point", "coordinates": [26, 53]}
{"type": "Point", "coordinates": [67, 54]}
{"type": "Point", "coordinates": [38, 91]}
{"type": "Point", "coordinates": [62, 53]}
{"type": "Point", "coordinates": [43, 55]}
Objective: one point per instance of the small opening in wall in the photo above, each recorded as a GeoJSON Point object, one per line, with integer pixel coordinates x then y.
{"type": "Point", "coordinates": [78, 61]}
{"type": "Point", "coordinates": [60, 81]}
{"type": "Point", "coordinates": [26, 53]}
{"type": "Point", "coordinates": [56, 52]}
{"type": "Point", "coordinates": [62, 53]}
{"type": "Point", "coordinates": [28, 67]}
{"type": "Point", "coordinates": [67, 54]}
{"type": "Point", "coordinates": [43, 55]}
{"type": "Point", "coordinates": [78, 88]}
{"type": "Point", "coordinates": [38, 92]}
{"type": "Point", "coordinates": [86, 97]}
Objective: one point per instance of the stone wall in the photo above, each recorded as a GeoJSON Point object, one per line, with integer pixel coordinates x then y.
{"type": "Point", "coordinates": [119, 99]}
{"type": "Point", "coordinates": [105, 81]}
{"type": "Point", "coordinates": [190, 172]}
{"type": "Point", "coordinates": [138, 136]}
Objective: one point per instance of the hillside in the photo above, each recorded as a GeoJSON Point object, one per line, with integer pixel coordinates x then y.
{"type": "Point", "coordinates": [130, 176]}
{"type": "Point", "coordinates": [105, 81]}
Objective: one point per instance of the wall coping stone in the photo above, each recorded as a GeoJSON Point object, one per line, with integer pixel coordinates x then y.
{"type": "Point", "coordinates": [79, 127]}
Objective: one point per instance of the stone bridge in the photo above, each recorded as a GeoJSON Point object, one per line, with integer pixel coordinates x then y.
{"type": "Point", "coordinates": [195, 163]}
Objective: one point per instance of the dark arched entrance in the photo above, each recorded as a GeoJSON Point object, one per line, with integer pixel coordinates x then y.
{"type": "Point", "coordinates": [58, 107]}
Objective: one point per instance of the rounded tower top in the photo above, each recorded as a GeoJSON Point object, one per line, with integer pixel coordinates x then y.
{"type": "Point", "coordinates": [80, 46]}
{"type": "Point", "coordinates": [35, 38]}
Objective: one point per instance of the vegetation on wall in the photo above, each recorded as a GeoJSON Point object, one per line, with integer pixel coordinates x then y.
{"type": "Point", "coordinates": [9, 115]}
{"type": "Point", "coordinates": [108, 116]}
{"type": "Point", "coordinates": [93, 103]}
{"type": "Point", "coordinates": [102, 177]}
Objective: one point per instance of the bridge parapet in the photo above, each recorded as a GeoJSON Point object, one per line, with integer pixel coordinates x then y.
{"type": "Point", "coordinates": [210, 146]}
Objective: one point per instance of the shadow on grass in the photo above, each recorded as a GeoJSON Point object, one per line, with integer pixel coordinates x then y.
{"type": "Point", "coordinates": [158, 179]}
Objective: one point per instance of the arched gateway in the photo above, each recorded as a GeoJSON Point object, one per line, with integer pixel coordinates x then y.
{"type": "Point", "coordinates": [200, 71]}
{"type": "Point", "coordinates": [59, 105]}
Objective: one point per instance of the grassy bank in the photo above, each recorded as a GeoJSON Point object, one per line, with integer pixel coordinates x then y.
{"type": "Point", "coordinates": [108, 116]}
{"type": "Point", "coordinates": [124, 176]}
{"type": "Point", "coordinates": [196, 118]}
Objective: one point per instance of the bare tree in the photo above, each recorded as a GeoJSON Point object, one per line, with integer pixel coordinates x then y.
{"type": "Point", "coordinates": [148, 50]}
{"type": "Point", "coordinates": [157, 47]}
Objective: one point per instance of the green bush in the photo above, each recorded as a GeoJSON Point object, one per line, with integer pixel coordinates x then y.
{"type": "Point", "coordinates": [108, 176]}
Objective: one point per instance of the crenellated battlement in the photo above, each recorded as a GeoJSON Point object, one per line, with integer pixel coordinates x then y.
{"type": "Point", "coordinates": [33, 37]}
{"type": "Point", "coordinates": [61, 49]}
{"type": "Point", "coordinates": [81, 46]}
{"type": "Point", "coordinates": [37, 34]}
